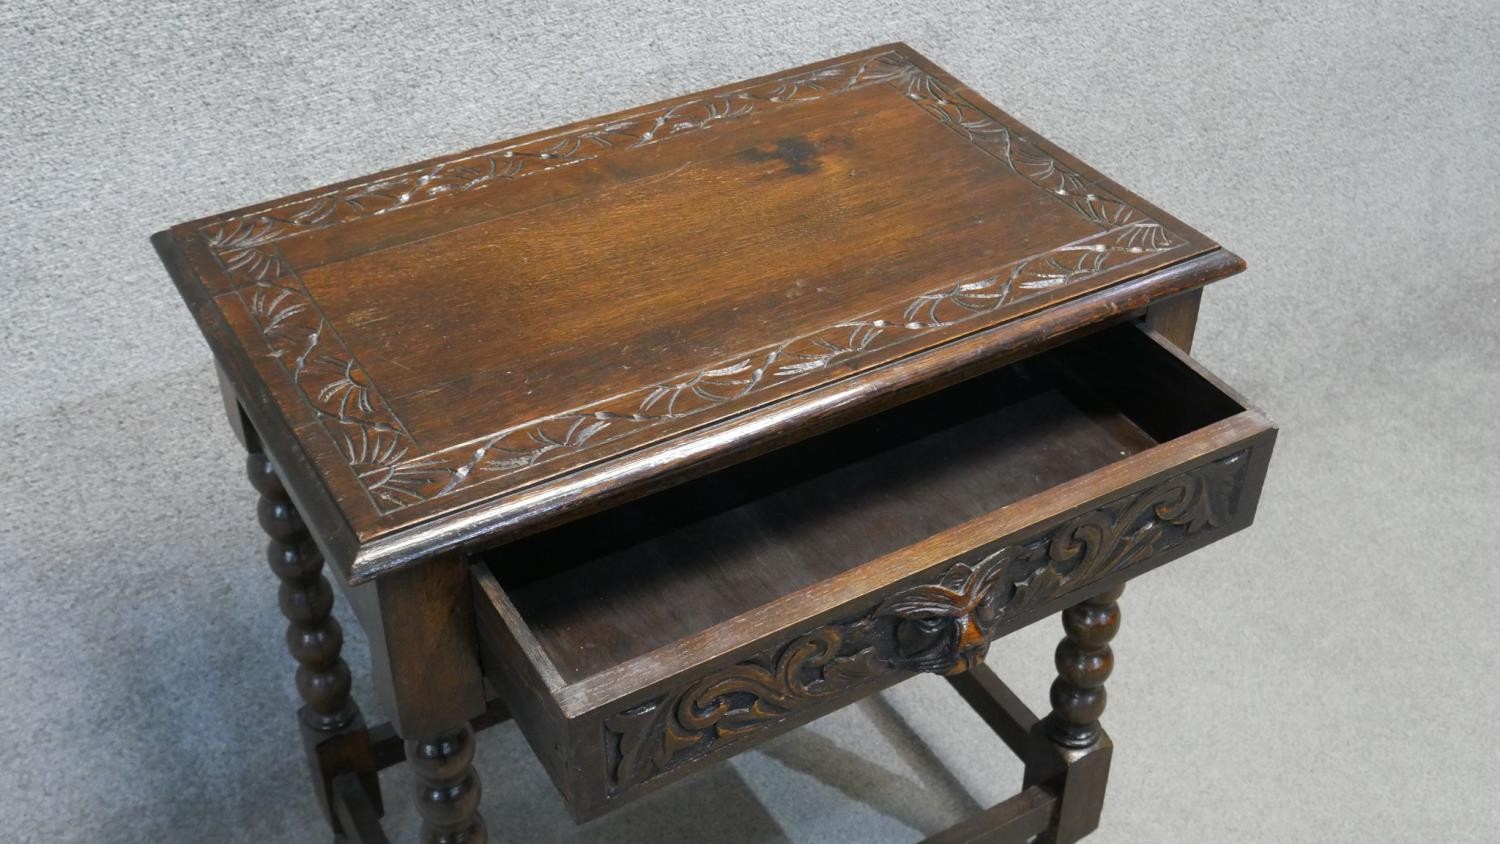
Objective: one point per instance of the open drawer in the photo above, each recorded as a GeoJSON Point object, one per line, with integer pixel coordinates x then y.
{"type": "Point", "coordinates": [641, 642]}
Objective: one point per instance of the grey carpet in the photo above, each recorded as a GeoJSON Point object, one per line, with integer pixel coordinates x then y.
{"type": "Point", "coordinates": [1330, 675]}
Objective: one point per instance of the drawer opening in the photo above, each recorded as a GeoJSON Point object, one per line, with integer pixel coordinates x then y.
{"type": "Point", "coordinates": [615, 586]}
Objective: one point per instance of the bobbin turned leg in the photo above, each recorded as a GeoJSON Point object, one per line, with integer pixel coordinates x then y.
{"type": "Point", "coordinates": [333, 731]}
{"type": "Point", "coordinates": [1069, 751]}
{"type": "Point", "coordinates": [1084, 661]}
{"type": "Point", "coordinates": [447, 789]}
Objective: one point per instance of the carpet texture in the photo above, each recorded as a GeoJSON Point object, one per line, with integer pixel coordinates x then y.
{"type": "Point", "coordinates": [1329, 675]}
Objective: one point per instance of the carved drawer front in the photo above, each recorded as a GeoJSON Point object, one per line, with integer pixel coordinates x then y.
{"type": "Point", "coordinates": [637, 644]}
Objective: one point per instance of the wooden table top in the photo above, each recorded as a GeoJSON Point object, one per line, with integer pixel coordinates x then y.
{"type": "Point", "coordinates": [488, 342]}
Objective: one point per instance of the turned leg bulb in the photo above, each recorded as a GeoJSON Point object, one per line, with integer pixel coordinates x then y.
{"type": "Point", "coordinates": [312, 635]}
{"type": "Point", "coordinates": [1084, 662]}
{"type": "Point", "coordinates": [447, 788]}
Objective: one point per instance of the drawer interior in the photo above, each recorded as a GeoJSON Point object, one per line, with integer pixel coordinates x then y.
{"type": "Point", "coordinates": [620, 584]}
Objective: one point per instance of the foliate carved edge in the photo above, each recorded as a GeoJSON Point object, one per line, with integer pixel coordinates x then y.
{"type": "Point", "coordinates": [515, 160]}
{"type": "Point", "coordinates": [383, 454]}
{"type": "Point", "coordinates": [334, 386]}
{"type": "Point", "coordinates": [398, 484]}
{"type": "Point", "coordinates": [944, 626]}
{"type": "Point", "coordinates": [240, 239]}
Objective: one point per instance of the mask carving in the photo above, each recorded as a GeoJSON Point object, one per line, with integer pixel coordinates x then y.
{"type": "Point", "coordinates": [944, 627]}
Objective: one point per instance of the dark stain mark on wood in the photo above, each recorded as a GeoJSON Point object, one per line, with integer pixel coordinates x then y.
{"type": "Point", "coordinates": [799, 154]}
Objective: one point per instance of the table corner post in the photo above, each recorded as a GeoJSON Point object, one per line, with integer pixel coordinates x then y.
{"type": "Point", "coordinates": [425, 655]}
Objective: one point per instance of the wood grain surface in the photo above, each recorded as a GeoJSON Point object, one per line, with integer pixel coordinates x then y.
{"type": "Point", "coordinates": [449, 346]}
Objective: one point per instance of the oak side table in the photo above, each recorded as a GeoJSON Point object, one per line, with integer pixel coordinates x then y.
{"type": "Point", "coordinates": [666, 432]}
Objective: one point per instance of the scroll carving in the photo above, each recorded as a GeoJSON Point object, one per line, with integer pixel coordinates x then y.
{"type": "Point", "coordinates": [944, 626]}
{"type": "Point", "coordinates": [397, 474]}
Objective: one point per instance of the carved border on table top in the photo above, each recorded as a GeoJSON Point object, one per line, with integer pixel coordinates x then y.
{"type": "Point", "coordinates": [305, 344]}
{"type": "Point", "coordinates": [943, 626]}
{"type": "Point", "coordinates": [520, 447]}
{"type": "Point", "coordinates": [527, 158]}
{"type": "Point", "coordinates": [379, 449]}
